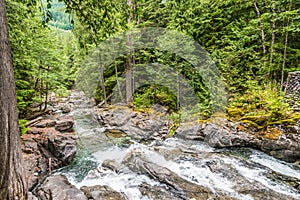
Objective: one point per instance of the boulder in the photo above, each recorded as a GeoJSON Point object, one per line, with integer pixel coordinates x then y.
{"type": "Point", "coordinates": [100, 192]}
{"type": "Point", "coordinates": [183, 188]}
{"type": "Point", "coordinates": [57, 188]}
{"type": "Point", "coordinates": [64, 125]}
{"type": "Point", "coordinates": [135, 124]}
{"type": "Point", "coordinates": [286, 147]}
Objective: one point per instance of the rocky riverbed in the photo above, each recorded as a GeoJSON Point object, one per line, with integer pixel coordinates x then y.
{"type": "Point", "coordinates": [127, 154]}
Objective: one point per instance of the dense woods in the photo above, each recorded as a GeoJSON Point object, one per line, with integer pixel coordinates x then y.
{"type": "Point", "coordinates": [254, 44]}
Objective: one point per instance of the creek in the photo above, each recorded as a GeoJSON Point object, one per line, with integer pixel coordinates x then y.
{"type": "Point", "coordinates": [237, 173]}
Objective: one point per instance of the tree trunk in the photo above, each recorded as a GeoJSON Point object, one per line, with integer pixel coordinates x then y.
{"type": "Point", "coordinates": [284, 56]}
{"type": "Point", "coordinates": [102, 81]}
{"type": "Point", "coordinates": [261, 28]}
{"type": "Point", "coordinates": [129, 61]}
{"type": "Point", "coordinates": [13, 183]}
{"type": "Point", "coordinates": [273, 38]}
{"type": "Point", "coordinates": [116, 71]}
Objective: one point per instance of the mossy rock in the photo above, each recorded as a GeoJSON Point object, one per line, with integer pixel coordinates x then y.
{"type": "Point", "coordinates": [290, 121]}
{"type": "Point", "coordinates": [259, 120]}
{"type": "Point", "coordinates": [250, 123]}
{"type": "Point", "coordinates": [235, 112]}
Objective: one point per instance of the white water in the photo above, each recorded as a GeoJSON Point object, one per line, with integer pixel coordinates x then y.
{"type": "Point", "coordinates": [190, 161]}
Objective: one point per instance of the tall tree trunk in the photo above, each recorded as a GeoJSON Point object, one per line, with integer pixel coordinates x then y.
{"type": "Point", "coordinates": [284, 56]}
{"type": "Point", "coordinates": [13, 183]}
{"type": "Point", "coordinates": [273, 38]}
{"type": "Point", "coordinates": [129, 61]}
{"type": "Point", "coordinates": [261, 28]}
{"type": "Point", "coordinates": [285, 49]}
{"type": "Point", "coordinates": [102, 81]}
{"type": "Point", "coordinates": [47, 89]}
{"type": "Point", "coordinates": [178, 90]}
{"type": "Point", "coordinates": [116, 71]}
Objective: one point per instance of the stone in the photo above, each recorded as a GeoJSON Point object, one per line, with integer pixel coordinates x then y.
{"type": "Point", "coordinates": [64, 125]}
{"type": "Point", "coordinates": [45, 152]}
{"type": "Point", "coordinates": [45, 124]}
{"type": "Point", "coordinates": [57, 188]}
{"type": "Point", "coordinates": [157, 192]}
{"type": "Point", "coordinates": [183, 188]}
{"type": "Point", "coordinates": [100, 192]}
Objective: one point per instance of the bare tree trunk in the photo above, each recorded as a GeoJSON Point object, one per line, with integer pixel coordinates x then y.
{"type": "Point", "coordinates": [41, 95]}
{"type": "Point", "coordinates": [261, 27]}
{"type": "Point", "coordinates": [13, 183]}
{"type": "Point", "coordinates": [284, 56]}
{"type": "Point", "coordinates": [102, 82]}
{"type": "Point", "coordinates": [285, 49]}
{"type": "Point", "coordinates": [46, 90]}
{"type": "Point", "coordinates": [117, 78]}
{"type": "Point", "coordinates": [129, 61]}
{"type": "Point", "coordinates": [273, 37]}
{"type": "Point", "coordinates": [178, 90]}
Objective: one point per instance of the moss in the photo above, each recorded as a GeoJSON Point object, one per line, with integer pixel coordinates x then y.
{"type": "Point", "coordinates": [293, 119]}
{"type": "Point", "coordinates": [235, 112]}
{"type": "Point", "coordinates": [259, 120]}
{"type": "Point", "coordinates": [272, 133]}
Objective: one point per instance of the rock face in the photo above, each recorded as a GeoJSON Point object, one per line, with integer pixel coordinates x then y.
{"type": "Point", "coordinates": [286, 148]}
{"type": "Point", "coordinates": [58, 188]}
{"type": "Point", "coordinates": [45, 148]}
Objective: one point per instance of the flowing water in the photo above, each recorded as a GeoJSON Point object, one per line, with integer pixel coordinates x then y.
{"type": "Point", "coordinates": [232, 171]}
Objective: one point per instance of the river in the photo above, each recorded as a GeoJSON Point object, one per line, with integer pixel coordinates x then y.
{"type": "Point", "coordinates": [240, 173]}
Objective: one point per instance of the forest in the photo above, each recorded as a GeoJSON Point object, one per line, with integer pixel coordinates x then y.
{"type": "Point", "coordinates": [215, 75]}
{"type": "Point", "coordinates": [254, 45]}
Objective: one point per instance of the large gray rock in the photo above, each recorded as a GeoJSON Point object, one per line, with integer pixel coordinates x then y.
{"type": "Point", "coordinates": [183, 188]}
{"type": "Point", "coordinates": [59, 188]}
{"type": "Point", "coordinates": [286, 148]}
{"type": "Point", "coordinates": [100, 192]}
{"type": "Point", "coordinates": [136, 125]}
{"type": "Point", "coordinates": [220, 137]}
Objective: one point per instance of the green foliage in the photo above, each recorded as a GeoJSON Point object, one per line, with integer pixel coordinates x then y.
{"type": "Point", "coordinates": [260, 105]}
{"type": "Point", "coordinates": [22, 125]}
{"type": "Point", "coordinates": [45, 59]}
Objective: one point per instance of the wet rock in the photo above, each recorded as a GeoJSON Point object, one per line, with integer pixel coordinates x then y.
{"type": "Point", "coordinates": [58, 188]}
{"type": "Point", "coordinates": [286, 148]}
{"type": "Point", "coordinates": [64, 125]}
{"type": "Point", "coordinates": [239, 182]}
{"type": "Point", "coordinates": [157, 192]}
{"type": "Point", "coordinates": [99, 192]}
{"type": "Point", "coordinates": [112, 165]}
{"type": "Point", "coordinates": [136, 125]}
{"type": "Point", "coordinates": [179, 186]}
{"type": "Point", "coordinates": [190, 131]}
{"type": "Point", "coordinates": [219, 137]}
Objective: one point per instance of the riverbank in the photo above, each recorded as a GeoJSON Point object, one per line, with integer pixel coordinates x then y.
{"type": "Point", "coordinates": [121, 142]}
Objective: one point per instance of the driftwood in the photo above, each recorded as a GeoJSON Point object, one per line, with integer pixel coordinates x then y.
{"type": "Point", "coordinates": [34, 121]}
